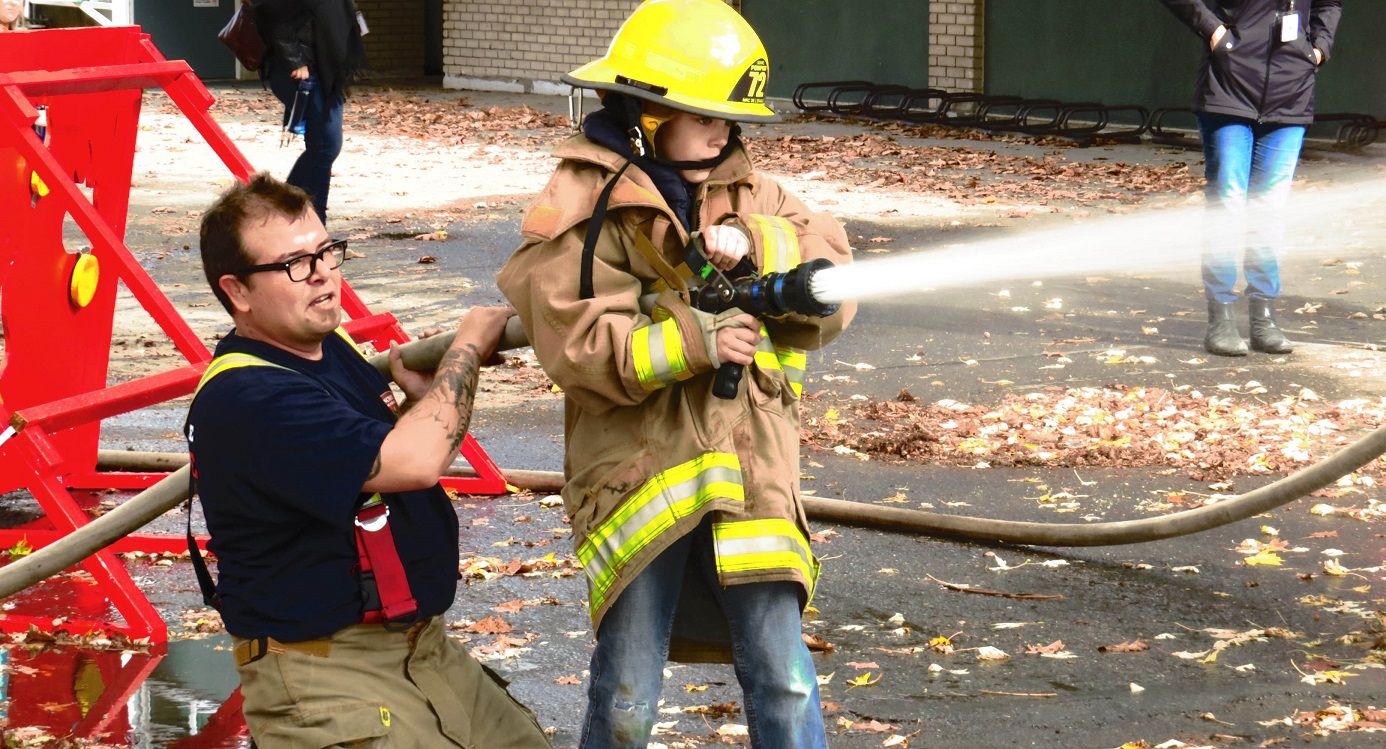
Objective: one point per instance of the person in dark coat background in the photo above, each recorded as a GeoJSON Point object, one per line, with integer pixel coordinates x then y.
{"type": "Point", "coordinates": [313, 46]}
{"type": "Point", "coordinates": [1254, 101]}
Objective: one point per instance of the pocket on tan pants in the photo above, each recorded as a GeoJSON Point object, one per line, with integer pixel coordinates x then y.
{"type": "Point", "coordinates": [351, 726]}
{"type": "Point", "coordinates": [471, 701]}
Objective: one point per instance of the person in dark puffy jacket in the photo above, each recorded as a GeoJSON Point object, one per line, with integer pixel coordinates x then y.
{"type": "Point", "coordinates": [312, 46]}
{"type": "Point", "coordinates": [1254, 101]}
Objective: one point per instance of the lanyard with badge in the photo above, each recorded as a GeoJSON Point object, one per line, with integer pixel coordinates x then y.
{"type": "Point", "coordinates": [1289, 24]}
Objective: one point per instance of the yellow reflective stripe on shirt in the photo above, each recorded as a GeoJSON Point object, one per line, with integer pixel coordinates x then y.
{"type": "Point", "coordinates": [228, 362]}
{"type": "Point", "coordinates": [654, 508]}
{"type": "Point", "coordinates": [347, 337]}
{"type": "Point", "coordinates": [235, 360]}
{"type": "Point", "coordinates": [657, 352]}
{"type": "Point", "coordinates": [770, 544]}
{"type": "Point", "coordinates": [779, 243]}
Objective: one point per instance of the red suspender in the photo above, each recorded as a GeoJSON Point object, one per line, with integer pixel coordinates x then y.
{"type": "Point", "coordinates": [375, 544]}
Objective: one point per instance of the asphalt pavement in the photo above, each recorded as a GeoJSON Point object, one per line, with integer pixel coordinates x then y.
{"type": "Point", "coordinates": [1228, 652]}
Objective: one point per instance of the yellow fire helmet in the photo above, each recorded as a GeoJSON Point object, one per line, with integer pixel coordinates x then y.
{"type": "Point", "coordinates": [697, 56]}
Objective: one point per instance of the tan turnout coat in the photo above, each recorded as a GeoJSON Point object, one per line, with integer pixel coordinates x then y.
{"type": "Point", "coordinates": [650, 451]}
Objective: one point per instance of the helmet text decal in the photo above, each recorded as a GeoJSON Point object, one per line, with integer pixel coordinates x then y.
{"type": "Point", "coordinates": [751, 88]}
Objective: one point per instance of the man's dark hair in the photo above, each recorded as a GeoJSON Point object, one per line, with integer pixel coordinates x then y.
{"type": "Point", "coordinates": [260, 199]}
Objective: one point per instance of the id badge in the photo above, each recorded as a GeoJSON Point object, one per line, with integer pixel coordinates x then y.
{"type": "Point", "coordinates": [1289, 27]}
{"type": "Point", "coordinates": [361, 21]}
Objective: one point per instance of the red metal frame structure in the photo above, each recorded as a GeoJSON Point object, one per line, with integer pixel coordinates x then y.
{"type": "Point", "coordinates": [91, 81]}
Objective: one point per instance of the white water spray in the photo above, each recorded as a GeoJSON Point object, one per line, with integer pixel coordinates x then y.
{"type": "Point", "coordinates": [1315, 223]}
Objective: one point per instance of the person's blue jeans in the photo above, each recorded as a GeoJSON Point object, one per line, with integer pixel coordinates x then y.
{"type": "Point", "coordinates": [772, 663]}
{"type": "Point", "coordinates": [322, 138]}
{"type": "Point", "coordinates": [1250, 167]}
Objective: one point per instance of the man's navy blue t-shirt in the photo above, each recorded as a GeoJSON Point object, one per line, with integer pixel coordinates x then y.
{"type": "Point", "coordinates": [281, 457]}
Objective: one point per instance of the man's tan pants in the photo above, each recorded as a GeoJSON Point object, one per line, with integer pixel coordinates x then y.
{"type": "Point", "coordinates": [366, 687]}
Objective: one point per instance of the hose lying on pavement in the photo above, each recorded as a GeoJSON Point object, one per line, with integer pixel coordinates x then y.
{"type": "Point", "coordinates": [1115, 533]}
{"type": "Point", "coordinates": [166, 495]}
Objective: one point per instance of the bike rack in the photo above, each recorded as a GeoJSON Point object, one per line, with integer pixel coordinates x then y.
{"type": "Point", "coordinates": [983, 104]}
{"type": "Point", "coordinates": [1101, 126]}
{"type": "Point", "coordinates": [1162, 133]}
{"type": "Point", "coordinates": [801, 93]}
{"type": "Point", "coordinates": [1356, 132]}
{"type": "Point", "coordinates": [843, 101]}
{"type": "Point", "coordinates": [1355, 136]}
{"type": "Point", "coordinates": [889, 103]}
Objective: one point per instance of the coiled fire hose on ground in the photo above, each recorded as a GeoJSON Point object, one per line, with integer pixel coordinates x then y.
{"type": "Point", "coordinates": [425, 353]}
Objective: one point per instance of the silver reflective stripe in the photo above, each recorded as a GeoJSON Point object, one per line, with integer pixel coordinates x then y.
{"type": "Point", "coordinates": [660, 366]}
{"type": "Point", "coordinates": [603, 556]}
{"type": "Point", "coordinates": [730, 547]}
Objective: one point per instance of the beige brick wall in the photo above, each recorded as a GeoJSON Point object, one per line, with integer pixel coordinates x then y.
{"type": "Point", "coordinates": [524, 45]}
{"type": "Point", "coordinates": [956, 44]}
{"type": "Point", "coordinates": [395, 46]}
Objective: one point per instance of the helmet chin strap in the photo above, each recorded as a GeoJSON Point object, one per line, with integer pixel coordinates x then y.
{"type": "Point", "coordinates": [643, 149]}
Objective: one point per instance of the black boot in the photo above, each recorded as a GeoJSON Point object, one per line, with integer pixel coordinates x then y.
{"type": "Point", "coordinates": [1222, 338]}
{"type": "Point", "coordinates": [1265, 334]}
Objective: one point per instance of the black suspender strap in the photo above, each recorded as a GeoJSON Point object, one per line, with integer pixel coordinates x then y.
{"type": "Point", "coordinates": [204, 577]}
{"type": "Point", "coordinates": [594, 230]}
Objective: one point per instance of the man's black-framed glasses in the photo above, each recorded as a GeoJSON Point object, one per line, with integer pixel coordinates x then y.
{"type": "Point", "coordinates": [301, 267]}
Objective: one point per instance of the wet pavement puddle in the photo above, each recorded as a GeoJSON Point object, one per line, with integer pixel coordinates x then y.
{"type": "Point", "coordinates": [180, 696]}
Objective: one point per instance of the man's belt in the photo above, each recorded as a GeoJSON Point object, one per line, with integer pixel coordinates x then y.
{"type": "Point", "coordinates": [258, 647]}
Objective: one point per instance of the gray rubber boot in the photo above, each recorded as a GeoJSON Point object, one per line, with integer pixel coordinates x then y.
{"type": "Point", "coordinates": [1222, 338]}
{"type": "Point", "coordinates": [1266, 336]}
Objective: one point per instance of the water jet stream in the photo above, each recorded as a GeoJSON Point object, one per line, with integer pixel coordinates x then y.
{"type": "Point", "coordinates": [1151, 241]}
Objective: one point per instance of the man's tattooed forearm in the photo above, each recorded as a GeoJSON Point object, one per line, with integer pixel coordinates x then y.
{"type": "Point", "coordinates": [453, 391]}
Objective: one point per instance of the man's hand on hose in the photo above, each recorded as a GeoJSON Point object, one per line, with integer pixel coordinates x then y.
{"type": "Point", "coordinates": [482, 328]}
{"type": "Point", "coordinates": [416, 384]}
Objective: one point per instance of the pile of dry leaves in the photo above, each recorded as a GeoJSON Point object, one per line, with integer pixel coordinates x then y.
{"type": "Point", "coordinates": [454, 121]}
{"type": "Point", "coordinates": [969, 176]}
{"type": "Point", "coordinates": [870, 159]}
{"type": "Point", "coordinates": [1208, 437]}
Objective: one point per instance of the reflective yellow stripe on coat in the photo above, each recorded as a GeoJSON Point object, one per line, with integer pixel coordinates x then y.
{"type": "Point", "coordinates": [658, 355]}
{"type": "Point", "coordinates": [779, 241]}
{"type": "Point", "coordinates": [780, 244]}
{"type": "Point", "coordinates": [669, 495]}
{"type": "Point", "coordinates": [769, 544]}
{"type": "Point", "coordinates": [792, 361]}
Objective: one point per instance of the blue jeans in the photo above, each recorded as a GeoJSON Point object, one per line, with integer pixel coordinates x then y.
{"type": "Point", "coordinates": [1249, 167]}
{"type": "Point", "coordinates": [772, 663]}
{"type": "Point", "coordinates": [322, 137]}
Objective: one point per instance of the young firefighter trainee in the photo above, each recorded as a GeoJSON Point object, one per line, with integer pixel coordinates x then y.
{"type": "Point", "coordinates": [336, 548]}
{"type": "Point", "coordinates": [685, 506]}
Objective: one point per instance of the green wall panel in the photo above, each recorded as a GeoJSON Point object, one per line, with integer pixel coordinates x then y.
{"type": "Point", "coordinates": [886, 41]}
{"type": "Point", "coordinates": [1136, 52]}
{"type": "Point", "coordinates": [1355, 79]}
{"type": "Point", "coordinates": [183, 31]}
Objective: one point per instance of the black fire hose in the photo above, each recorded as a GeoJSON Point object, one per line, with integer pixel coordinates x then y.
{"type": "Point", "coordinates": [1115, 533]}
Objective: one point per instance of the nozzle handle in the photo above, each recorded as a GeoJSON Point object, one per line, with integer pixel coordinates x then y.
{"type": "Point", "coordinates": [728, 380]}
